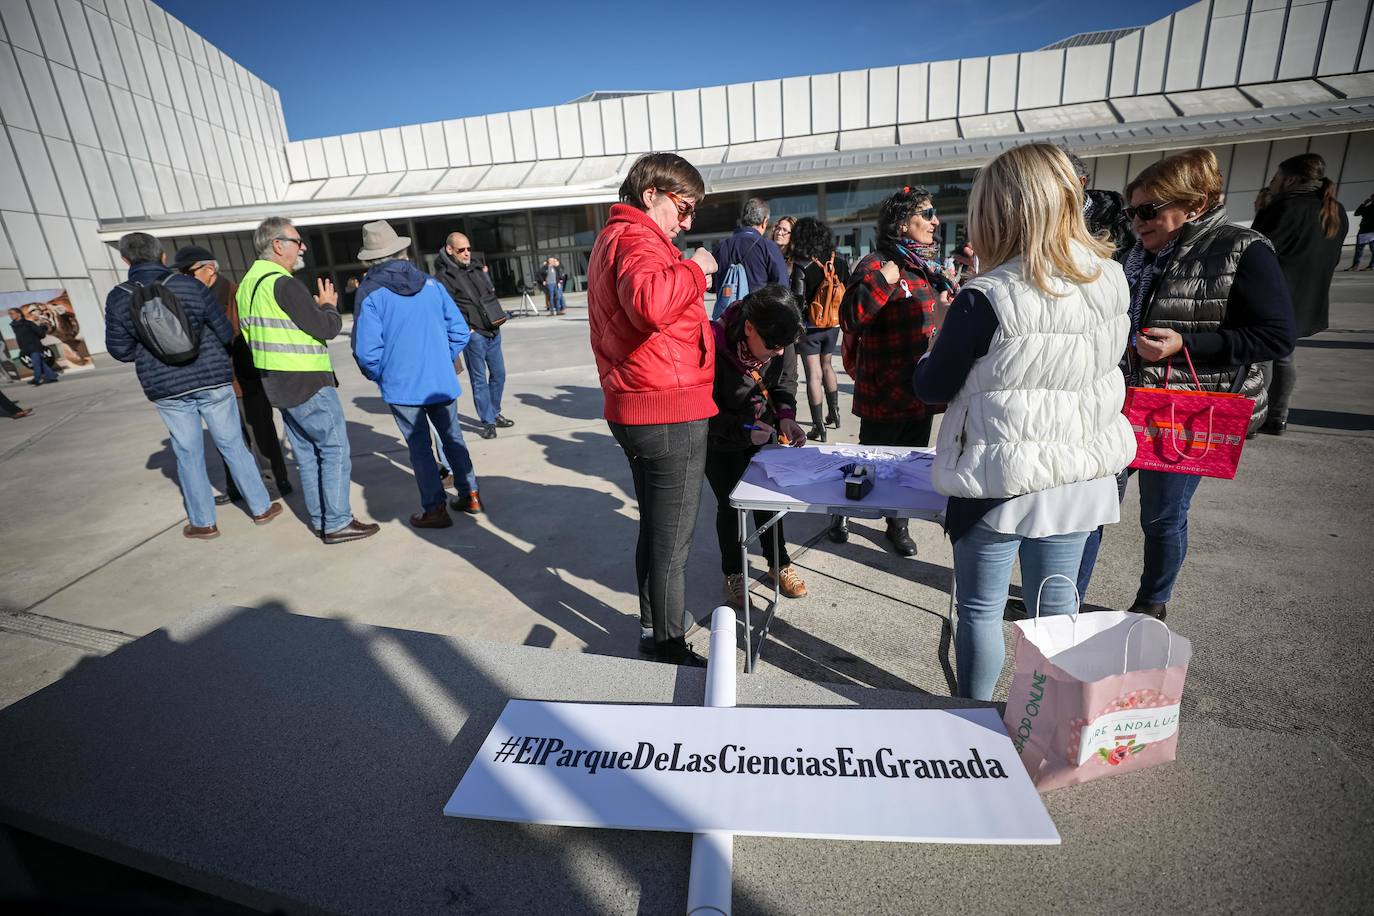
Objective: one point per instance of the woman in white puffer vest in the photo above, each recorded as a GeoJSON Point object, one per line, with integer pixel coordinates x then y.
{"type": "Point", "coordinates": [1032, 441]}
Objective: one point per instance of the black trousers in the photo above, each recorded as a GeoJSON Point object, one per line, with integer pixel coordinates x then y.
{"type": "Point", "coordinates": [8, 407]}
{"type": "Point", "coordinates": [723, 470]}
{"type": "Point", "coordinates": [908, 433]}
{"type": "Point", "coordinates": [667, 461]}
{"type": "Point", "coordinates": [260, 433]}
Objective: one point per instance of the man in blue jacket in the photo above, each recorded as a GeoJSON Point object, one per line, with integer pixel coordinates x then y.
{"type": "Point", "coordinates": [752, 249]}
{"type": "Point", "coordinates": [187, 394]}
{"type": "Point", "coordinates": [407, 332]}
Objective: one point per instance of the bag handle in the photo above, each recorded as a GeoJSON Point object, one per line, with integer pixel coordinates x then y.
{"type": "Point", "coordinates": [1126, 649]}
{"type": "Point", "coordinates": [1077, 602]}
{"type": "Point", "coordinates": [1173, 434]}
{"type": "Point", "coordinates": [1197, 384]}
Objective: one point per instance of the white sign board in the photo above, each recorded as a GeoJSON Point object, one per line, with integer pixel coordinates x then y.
{"type": "Point", "coordinates": [938, 776]}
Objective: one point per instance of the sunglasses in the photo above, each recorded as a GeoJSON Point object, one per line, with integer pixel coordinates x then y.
{"type": "Point", "coordinates": [461, 250]}
{"type": "Point", "coordinates": [1146, 212]}
{"type": "Point", "coordinates": [685, 210]}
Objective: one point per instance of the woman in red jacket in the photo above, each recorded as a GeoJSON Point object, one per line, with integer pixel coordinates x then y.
{"type": "Point", "coordinates": [655, 354]}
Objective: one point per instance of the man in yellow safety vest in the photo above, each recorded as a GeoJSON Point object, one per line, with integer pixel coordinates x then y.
{"type": "Point", "coordinates": [286, 328]}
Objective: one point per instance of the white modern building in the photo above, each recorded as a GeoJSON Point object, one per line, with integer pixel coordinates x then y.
{"type": "Point", "coordinates": [117, 117]}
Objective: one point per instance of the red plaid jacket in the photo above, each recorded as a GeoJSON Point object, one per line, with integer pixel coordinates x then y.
{"type": "Point", "coordinates": [887, 328]}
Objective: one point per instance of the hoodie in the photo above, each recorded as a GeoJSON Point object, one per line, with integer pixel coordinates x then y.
{"type": "Point", "coordinates": [406, 334]}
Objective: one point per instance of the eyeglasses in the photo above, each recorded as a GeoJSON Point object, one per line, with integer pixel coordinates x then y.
{"type": "Point", "coordinates": [685, 210]}
{"type": "Point", "coordinates": [288, 238]}
{"type": "Point", "coordinates": [1146, 212]}
{"type": "Point", "coordinates": [461, 250]}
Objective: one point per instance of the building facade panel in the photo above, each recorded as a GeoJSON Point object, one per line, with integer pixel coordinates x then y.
{"type": "Point", "coordinates": [973, 86]}
{"type": "Point", "coordinates": [1041, 78]}
{"type": "Point", "coordinates": [1302, 40]}
{"type": "Point", "coordinates": [1187, 44]}
{"type": "Point", "coordinates": [1087, 71]}
{"type": "Point", "coordinates": [637, 137]}
{"type": "Point", "coordinates": [796, 106]}
{"type": "Point", "coordinates": [20, 28]}
{"type": "Point", "coordinates": [853, 99]}
{"type": "Point", "coordinates": [825, 103]}
{"type": "Point", "coordinates": [913, 82]}
{"type": "Point", "coordinates": [593, 136]}
{"type": "Point", "coordinates": [569, 127]}
{"type": "Point", "coordinates": [1345, 30]}
{"type": "Point", "coordinates": [882, 96]}
{"type": "Point", "coordinates": [739, 101]}
{"type": "Point", "coordinates": [943, 90]}
{"type": "Point", "coordinates": [522, 131]}
{"type": "Point", "coordinates": [613, 126]}
{"type": "Point", "coordinates": [662, 121]}
{"type": "Point", "coordinates": [767, 112]}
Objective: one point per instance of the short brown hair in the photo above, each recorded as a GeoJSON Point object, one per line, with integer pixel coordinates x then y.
{"type": "Point", "coordinates": [666, 172]}
{"type": "Point", "coordinates": [1190, 178]}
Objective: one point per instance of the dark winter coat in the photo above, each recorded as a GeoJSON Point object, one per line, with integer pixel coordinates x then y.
{"type": "Point", "coordinates": [1108, 212]}
{"type": "Point", "coordinates": [473, 293]}
{"type": "Point", "coordinates": [211, 367]}
{"type": "Point", "coordinates": [738, 397]}
{"type": "Point", "coordinates": [1292, 221]}
{"type": "Point", "coordinates": [28, 335]}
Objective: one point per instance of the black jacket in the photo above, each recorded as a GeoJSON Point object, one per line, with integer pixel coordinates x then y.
{"type": "Point", "coordinates": [1365, 212]}
{"type": "Point", "coordinates": [737, 396]}
{"type": "Point", "coordinates": [28, 335]}
{"type": "Point", "coordinates": [1109, 213]}
{"type": "Point", "coordinates": [1292, 221]}
{"type": "Point", "coordinates": [211, 367]}
{"type": "Point", "coordinates": [472, 292]}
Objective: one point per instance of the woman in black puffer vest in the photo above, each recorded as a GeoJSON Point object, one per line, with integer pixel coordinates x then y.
{"type": "Point", "coordinates": [1200, 282]}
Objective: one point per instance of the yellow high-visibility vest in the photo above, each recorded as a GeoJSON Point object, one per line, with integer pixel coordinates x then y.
{"type": "Point", "coordinates": [277, 344]}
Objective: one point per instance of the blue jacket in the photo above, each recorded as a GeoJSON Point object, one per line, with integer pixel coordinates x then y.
{"type": "Point", "coordinates": [760, 257]}
{"type": "Point", "coordinates": [211, 367]}
{"type": "Point", "coordinates": [406, 334]}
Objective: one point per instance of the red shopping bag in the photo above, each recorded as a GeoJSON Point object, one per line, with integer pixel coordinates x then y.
{"type": "Point", "coordinates": [1188, 432]}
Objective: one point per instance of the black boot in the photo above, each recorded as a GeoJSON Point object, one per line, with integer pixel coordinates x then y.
{"type": "Point", "coordinates": [817, 431]}
{"type": "Point", "coordinates": [897, 534]}
{"type": "Point", "coordinates": [676, 652]}
{"type": "Point", "coordinates": [832, 403]}
{"type": "Point", "coordinates": [839, 529]}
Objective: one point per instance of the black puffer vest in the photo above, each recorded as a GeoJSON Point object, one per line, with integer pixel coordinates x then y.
{"type": "Point", "coordinates": [1190, 297]}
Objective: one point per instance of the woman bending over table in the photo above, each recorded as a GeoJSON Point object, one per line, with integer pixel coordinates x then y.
{"type": "Point", "coordinates": [756, 394]}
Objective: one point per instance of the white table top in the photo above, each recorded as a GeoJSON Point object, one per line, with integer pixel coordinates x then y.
{"type": "Point", "coordinates": [756, 490]}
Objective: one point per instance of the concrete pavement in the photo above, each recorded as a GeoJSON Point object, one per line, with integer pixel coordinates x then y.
{"type": "Point", "coordinates": [1273, 596]}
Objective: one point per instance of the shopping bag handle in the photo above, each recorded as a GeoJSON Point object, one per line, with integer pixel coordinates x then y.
{"type": "Point", "coordinates": [1077, 602]}
{"type": "Point", "coordinates": [1197, 384]}
{"type": "Point", "coordinates": [1126, 651]}
{"type": "Point", "coordinates": [1173, 434]}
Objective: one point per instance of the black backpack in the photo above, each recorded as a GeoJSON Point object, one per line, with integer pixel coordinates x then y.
{"type": "Point", "coordinates": [160, 323]}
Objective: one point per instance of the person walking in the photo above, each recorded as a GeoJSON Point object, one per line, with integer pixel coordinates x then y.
{"type": "Point", "coordinates": [1364, 235]}
{"type": "Point", "coordinates": [1307, 227]}
{"type": "Point", "coordinates": [655, 356]}
{"type": "Point", "coordinates": [476, 298]}
{"type": "Point", "coordinates": [888, 317]}
{"type": "Point", "coordinates": [406, 334]}
{"type": "Point", "coordinates": [189, 393]}
{"type": "Point", "coordinates": [28, 336]}
{"type": "Point", "coordinates": [1202, 283]}
{"type": "Point", "coordinates": [255, 412]}
{"type": "Point", "coordinates": [1033, 437]}
{"type": "Point", "coordinates": [752, 249]}
{"type": "Point", "coordinates": [11, 409]}
{"type": "Point", "coordinates": [814, 267]}
{"type": "Point", "coordinates": [286, 328]}
{"type": "Point", "coordinates": [755, 391]}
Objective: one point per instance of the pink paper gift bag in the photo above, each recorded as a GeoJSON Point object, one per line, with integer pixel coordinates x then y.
{"type": "Point", "coordinates": [1188, 432]}
{"type": "Point", "coordinates": [1094, 695]}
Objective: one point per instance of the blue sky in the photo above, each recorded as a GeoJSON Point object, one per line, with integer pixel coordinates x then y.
{"type": "Point", "coordinates": [350, 65]}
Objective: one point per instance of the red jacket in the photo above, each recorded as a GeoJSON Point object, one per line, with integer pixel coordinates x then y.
{"type": "Point", "coordinates": [651, 335]}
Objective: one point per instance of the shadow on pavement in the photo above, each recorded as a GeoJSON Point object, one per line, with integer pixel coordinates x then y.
{"type": "Point", "coordinates": [1337, 344]}
{"type": "Point", "coordinates": [575, 402]}
{"type": "Point", "coordinates": [375, 405]}
{"type": "Point", "coordinates": [1331, 419]}
{"type": "Point", "coordinates": [281, 760]}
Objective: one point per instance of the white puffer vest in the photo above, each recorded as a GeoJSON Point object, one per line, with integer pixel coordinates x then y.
{"type": "Point", "coordinates": [1043, 407]}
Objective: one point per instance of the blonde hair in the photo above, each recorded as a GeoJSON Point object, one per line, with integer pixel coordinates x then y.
{"type": "Point", "coordinates": [1190, 178]}
{"type": "Point", "coordinates": [1028, 203]}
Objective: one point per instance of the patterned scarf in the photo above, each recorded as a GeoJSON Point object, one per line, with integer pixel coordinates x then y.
{"type": "Point", "coordinates": [1142, 273]}
{"type": "Point", "coordinates": [924, 260]}
{"type": "Point", "coordinates": [746, 358]}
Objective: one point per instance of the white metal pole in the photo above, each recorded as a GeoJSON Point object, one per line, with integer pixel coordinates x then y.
{"type": "Point", "coordinates": [710, 881]}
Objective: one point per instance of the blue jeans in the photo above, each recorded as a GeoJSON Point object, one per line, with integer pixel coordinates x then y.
{"type": "Point", "coordinates": [42, 372]}
{"type": "Point", "coordinates": [1164, 502]}
{"type": "Point", "coordinates": [218, 409]}
{"type": "Point", "coordinates": [556, 299]}
{"type": "Point", "coordinates": [487, 372]}
{"type": "Point", "coordinates": [982, 573]}
{"type": "Point", "coordinates": [415, 430]}
{"type": "Point", "coordinates": [319, 440]}
{"type": "Point", "coordinates": [1358, 249]}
